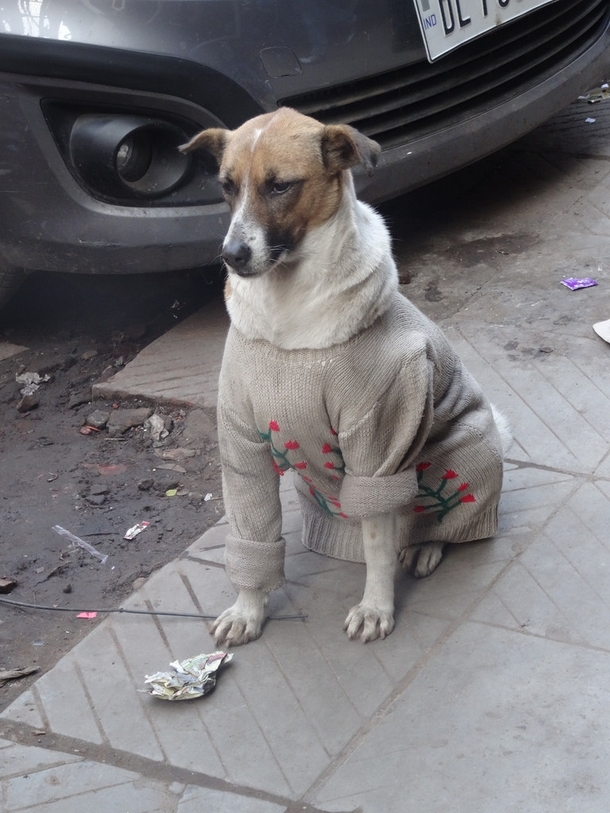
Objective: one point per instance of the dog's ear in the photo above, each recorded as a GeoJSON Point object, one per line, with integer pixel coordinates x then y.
{"type": "Point", "coordinates": [213, 140]}
{"type": "Point", "coordinates": [344, 147]}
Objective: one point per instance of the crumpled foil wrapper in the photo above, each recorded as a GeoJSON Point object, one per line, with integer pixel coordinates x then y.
{"type": "Point", "coordinates": [191, 678]}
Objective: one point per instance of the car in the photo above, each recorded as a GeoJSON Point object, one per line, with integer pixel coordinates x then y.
{"type": "Point", "coordinates": [97, 95]}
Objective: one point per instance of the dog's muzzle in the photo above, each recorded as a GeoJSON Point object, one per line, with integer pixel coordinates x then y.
{"type": "Point", "coordinates": [237, 255]}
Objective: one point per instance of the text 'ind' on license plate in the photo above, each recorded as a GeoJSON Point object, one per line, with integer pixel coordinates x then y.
{"type": "Point", "coordinates": [447, 24]}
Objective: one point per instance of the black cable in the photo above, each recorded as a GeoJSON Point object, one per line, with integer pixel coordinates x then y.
{"type": "Point", "coordinates": [136, 612]}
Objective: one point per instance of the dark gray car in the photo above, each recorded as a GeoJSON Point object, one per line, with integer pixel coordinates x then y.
{"type": "Point", "coordinates": [96, 95]}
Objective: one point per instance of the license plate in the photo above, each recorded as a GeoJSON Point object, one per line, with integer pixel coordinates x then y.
{"type": "Point", "coordinates": [447, 24]}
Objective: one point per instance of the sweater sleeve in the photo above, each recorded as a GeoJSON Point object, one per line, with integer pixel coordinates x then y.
{"type": "Point", "coordinates": [255, 548]}
{"type": "Point", "coordinates": [382, 449]}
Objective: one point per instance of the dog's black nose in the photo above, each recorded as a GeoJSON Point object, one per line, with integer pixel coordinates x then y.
{"type": "Point", "coordinates": [237, 254]}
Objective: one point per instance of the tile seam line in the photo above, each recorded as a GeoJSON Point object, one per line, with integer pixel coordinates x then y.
{"type": "Point", "coordinates": [96, 718]}
{"type": "Point", "coordinates": [145, 710]}
{"type": "Point", "coordinates": [22, 734]}
{"type": "Point", "coordinates": [585, 579]}
{"type": "Point", "coordinates": [194, 598]}
{"type": "Point", "coordinates": [404, 684]}
{"type": "Point", "coordinates": [528, 464]}
{"type": "Point", "coordinates": [158, 621]}
{"type": "Point", "coordinates": [539, 637]}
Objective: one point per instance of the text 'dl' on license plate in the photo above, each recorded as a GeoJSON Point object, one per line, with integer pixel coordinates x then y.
{"type": "Point", "coordinates": [447, 24]}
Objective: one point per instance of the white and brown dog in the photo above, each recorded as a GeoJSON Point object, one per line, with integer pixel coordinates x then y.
{"type": "Point", "coordinates": [310, 267]}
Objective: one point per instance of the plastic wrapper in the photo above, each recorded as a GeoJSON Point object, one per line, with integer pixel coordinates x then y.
{"type": "Point", "coordinates": [574, 283]}
{"type": "Point", "coordinates": [191, 678]}
{"type": "Point", "coordinates": [136, 529]}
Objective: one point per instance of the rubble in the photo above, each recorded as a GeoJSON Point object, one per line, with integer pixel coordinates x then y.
{"type": "Point", "coordinates": [123, 419]}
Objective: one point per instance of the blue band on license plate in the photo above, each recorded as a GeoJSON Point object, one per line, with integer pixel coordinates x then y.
{"type": "Point", "coordinates": [447, 24]}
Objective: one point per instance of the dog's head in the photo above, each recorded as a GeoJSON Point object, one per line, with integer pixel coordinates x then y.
{"type": "Point", "coordinates": [282, 174]}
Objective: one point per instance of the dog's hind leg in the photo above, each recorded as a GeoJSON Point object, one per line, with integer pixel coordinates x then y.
{"type": "Point", "coordinates": [421, 560]}
{"type": "Point", "coordinates": [374, 616]}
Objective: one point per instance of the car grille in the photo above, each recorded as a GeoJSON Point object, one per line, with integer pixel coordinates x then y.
{"type": "Point", "coordinates": [412, 101]}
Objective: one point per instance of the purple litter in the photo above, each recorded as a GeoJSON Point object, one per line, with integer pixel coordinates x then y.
{"type": "Point", "coordinates": [574, 283]}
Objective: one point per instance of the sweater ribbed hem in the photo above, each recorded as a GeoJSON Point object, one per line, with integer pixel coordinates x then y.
{"type": "Point", "coordinates": [255, 565]}
{"type": "Point", "coordinates": [342, 538]}
{"type": "Point", "coordinates": [368, 496]}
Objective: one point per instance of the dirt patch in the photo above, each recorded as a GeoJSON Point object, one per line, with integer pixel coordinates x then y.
{"type": "Point", "coordinates": [94, 468]}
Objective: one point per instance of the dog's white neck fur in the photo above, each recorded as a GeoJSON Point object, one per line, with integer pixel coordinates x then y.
{"type": "Point", "coordinates": [337, 283]}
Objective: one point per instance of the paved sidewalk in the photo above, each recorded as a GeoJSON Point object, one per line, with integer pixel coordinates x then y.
{"type": "Point", "coordinates": [492, 694]}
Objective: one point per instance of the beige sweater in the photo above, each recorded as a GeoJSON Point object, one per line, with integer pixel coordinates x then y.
{"type": "Point", "coordinates": [387, 421]}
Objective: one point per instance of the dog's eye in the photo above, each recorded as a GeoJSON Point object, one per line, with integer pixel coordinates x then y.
{"type": "Point", "coordinates": [279, 187]}
{"type": "Point", "coordinates": [228, 187]}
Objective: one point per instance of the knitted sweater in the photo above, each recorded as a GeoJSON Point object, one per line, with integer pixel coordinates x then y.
{"type": "Point", "coordinates": [390, 420]}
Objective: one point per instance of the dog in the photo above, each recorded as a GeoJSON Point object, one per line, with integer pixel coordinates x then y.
{"type": "Point", "coordinates": [330, 372]}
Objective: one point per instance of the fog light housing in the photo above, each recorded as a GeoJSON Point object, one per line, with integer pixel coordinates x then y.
{"type": "Point", "coordinates": [128, 156]}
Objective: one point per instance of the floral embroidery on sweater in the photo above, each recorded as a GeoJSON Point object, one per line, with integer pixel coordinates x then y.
{"type": "Point", "coordinates": [282, 463]}
{"type": "Point", "coordinates": [442, 502]}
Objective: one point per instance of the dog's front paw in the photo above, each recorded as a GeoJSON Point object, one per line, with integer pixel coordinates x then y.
{"type": "Point", "coordinates": [421, 560]}
{"type": "Point", "coordinates": [368, 623]}
{"type": "Point", "coordinates": [234, 629]}
{"type": "Point", "coordinates": [243, 622]}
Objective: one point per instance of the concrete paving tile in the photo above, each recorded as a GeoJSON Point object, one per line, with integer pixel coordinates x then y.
{"type": "Point", "coordinates": [591, 506]}
{"type": "Point", "coordinates": [25, 710]}
{"type": "Point", "coordinates": [150, 650]}
{"type": "Point", "coordinates": [532, 505]}
{"type": "Point", "coordinates": [53, 782]}
{"type": "Point", "coordinates": [303, 563]}
{"type": "Point", "coordinates": [304, 664]}
{"type": "Point", "coordinates": [459, 579]}
{"type": "Point", "coordinates": [528, 605]}
{"type": "Point", "coordinates": [210, 540]}
{"type": "Point", "coordinates": [223, 719]}
{"type": "Point", "coordinates": [109, 685]}
{"type": "Point", "coordinates": [279, 710]}
{"type": "Point", "coordinates": [603, 470]}
{"type": "Point", "coordinates": [559, 588]}
{"type": "Point", "coordinates": [63, 703]}
{"type": "Point", "coordinates": [604, 486]}
{"type": "Point", "coordinates": [196, 800]}
{"type": "Point", "coordinates": [537, 397]}
{"type": "Point", "coordinates": [179, 367]}
{"type": "Point", "coordinates": [21, 759]}
{"type": "Point", "coordinates": [492, 722]}
{"type": "Point", "coordinates": [8, 350]}
{"type": "Point", "coordinates": [291, 521]}
{"type": "Point", "coordinates": [288, 497]}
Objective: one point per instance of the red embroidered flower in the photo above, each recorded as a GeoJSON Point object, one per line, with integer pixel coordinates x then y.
{"type": "Point", "coordinates": [342, 515]}
{"type": "Point", "coordinates": [463, 487]}
{"type": "Point", "coordinates": [468, 498]}
{"type": "Point", "coordinates": [327, 448]}
{"type": "Point", "coordinates": [422, 466]}
{"type": "Point", "coordinates": [306, 478]}
{"type": "Point", "coordinates": [274, 426]}
{"type": "Point", "coordinates": [329, 465]}
{"type": "Point", "coordinates": [332, 432]}
{"type": "Point", "coordinates": [419, 508]}
{"type": "Point", "coordinates": [277, 469]}
{"type": "Point", "coordinates": [291, 444]}
{"type": "Point", "coordinates": [449, 474]}
{"type": "Point", "coordinates": [300, 465]}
